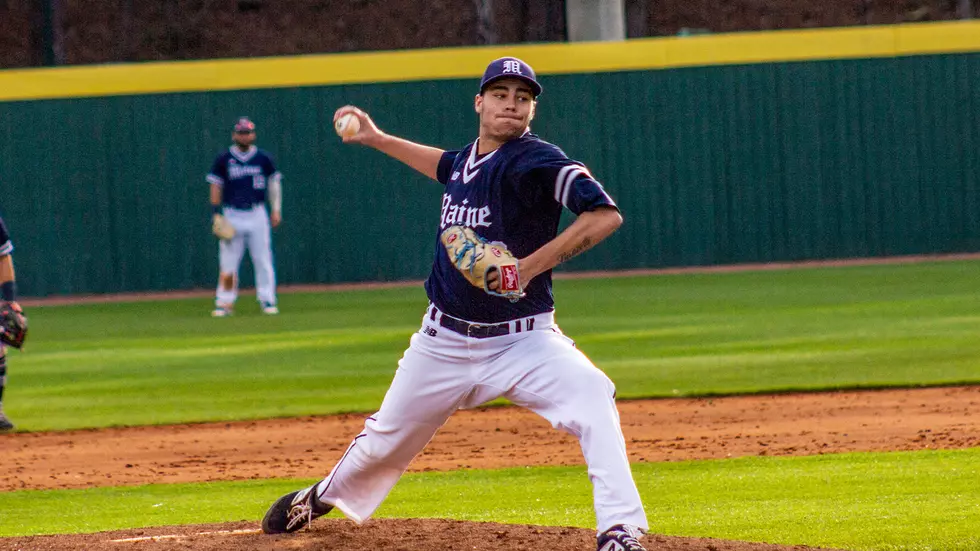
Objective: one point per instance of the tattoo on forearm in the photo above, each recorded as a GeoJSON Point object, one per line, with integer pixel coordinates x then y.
{"type": "Point", "coordinates": [585, 245]}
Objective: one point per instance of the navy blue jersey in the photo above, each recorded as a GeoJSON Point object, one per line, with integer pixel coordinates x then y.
{"type": "Point", "coordinates": [6, 247]}
{"type": "Point", "coordinates": [242, 176]}
{"type": "Point", "coordinates": [514, 195]}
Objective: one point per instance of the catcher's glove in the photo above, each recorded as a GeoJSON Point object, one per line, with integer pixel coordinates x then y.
{"type": "Point", "coordinates": [476, 258]}
{"type": "Point", "coordinates": [221, 227]}
{"type": "Point", "coordinates": [13, 324]}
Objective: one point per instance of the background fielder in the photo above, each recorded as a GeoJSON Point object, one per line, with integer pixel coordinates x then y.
{"type": "Point", "coordinates": [507, 186]}
{"type": "Point", "coordinates": [242, 179]}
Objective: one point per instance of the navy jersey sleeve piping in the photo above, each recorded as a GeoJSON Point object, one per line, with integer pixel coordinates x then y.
{"type": "Point", "coordinates": [579, 192]}
{"type": "Point", "coordinates": [565, 180]}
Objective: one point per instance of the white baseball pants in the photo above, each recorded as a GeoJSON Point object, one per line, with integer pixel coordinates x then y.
{"type": "Point", "coordinates": [442, 371]}
{"type": "Point", "coordinates": [252, 231]}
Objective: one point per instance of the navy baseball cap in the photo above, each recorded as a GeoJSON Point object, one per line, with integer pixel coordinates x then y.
{"type": "Point", "coordinates": [510, 67]}
{"type": "Point", "coordinates": [244, 124]}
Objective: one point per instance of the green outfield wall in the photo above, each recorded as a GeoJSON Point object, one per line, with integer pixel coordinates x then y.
{"type": "Point", "coordinates": [720, 149]}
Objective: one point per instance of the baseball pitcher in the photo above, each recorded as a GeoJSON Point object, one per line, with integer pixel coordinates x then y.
{"type": "Point", "coordinates": [243, 179]}
{"type": "Point", "coordinates": [489, 329]}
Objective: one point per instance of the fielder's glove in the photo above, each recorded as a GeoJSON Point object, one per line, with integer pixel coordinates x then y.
{"type": "Point", "coordinates": [13, 324]}
{"type": "Point", "coordinates": [476, 258]}
{"type": "Point", "coordinates": [221, 227]}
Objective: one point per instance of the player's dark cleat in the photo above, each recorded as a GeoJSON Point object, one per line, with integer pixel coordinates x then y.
{"type": "Point", "coordinates": [5, 424]}
{"type": "Point", "coordinates": [293, 511]}
{"type": "Point", "coordinates": [269, 308]}
{"type": "Point", "coordinates": [620, 538]}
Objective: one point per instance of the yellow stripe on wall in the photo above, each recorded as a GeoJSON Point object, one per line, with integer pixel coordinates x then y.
{"type": "Point", "coordinates": [553, 58]}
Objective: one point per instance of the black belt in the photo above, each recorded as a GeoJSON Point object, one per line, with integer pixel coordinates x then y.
{"type": "Point", "coordinates": [480, 330]}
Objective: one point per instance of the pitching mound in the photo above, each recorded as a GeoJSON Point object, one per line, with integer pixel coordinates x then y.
{"type": "Point", "coordinates": [378, 535]}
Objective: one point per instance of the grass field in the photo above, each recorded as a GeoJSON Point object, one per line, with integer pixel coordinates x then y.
{"type": "Point", "coordinates": [692, 334]}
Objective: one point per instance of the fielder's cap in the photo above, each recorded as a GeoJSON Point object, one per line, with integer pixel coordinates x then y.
{"type": "Point", "coordinates": [510, 67]}
{"type": "Point", "coordinates": [244, 124]}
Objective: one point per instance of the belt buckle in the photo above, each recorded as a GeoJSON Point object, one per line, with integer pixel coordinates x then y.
{"type": "Point", "coordinates": [472, 329]}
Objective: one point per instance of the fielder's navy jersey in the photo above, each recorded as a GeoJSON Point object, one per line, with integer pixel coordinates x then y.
{"type": "Point", "coordinates": [6, 247]}
{"type": "Point", "coordinates": [243, 176]}
{"type": "Point", "coordinates": [514, 195]}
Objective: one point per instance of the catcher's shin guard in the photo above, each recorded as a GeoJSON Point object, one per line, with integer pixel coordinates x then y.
{"type": "Point", "coordinates": [293, 511]}
{"type": "Point", "coordinates": [5, 424]}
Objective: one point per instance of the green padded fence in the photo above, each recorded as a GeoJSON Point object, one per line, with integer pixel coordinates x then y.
{"type": "Point", "coordinates": [730, 163]}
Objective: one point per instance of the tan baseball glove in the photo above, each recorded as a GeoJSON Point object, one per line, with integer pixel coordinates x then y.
{"type": "Point", "coordinates": [221, 227]}
{"type": "Point", "coordinates": [476, 258]}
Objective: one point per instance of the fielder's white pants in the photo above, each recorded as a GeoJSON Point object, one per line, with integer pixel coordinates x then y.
{"type": "Point", "coordinates": [252, 231]}
{"type": "Point", "coordinates": [442, 371]}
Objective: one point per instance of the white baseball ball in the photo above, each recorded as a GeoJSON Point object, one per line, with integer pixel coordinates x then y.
{"type": "Point", "coordinates": [347, 125]}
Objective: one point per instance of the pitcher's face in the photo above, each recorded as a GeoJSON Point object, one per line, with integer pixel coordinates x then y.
{"type": "Point", "coordinates": [506, 108]}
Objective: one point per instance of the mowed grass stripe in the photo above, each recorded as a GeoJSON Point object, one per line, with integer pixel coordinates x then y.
{"type": "Point", "coordinates": [664, 335]}
{"type": "Point", "coordinates": [902, 501]}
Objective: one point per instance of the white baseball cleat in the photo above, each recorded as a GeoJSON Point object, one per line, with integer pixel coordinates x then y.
{"type": "Point", "coordinates": [269, 308]}
{"type": "Point", "coordinates": [221, 311]}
